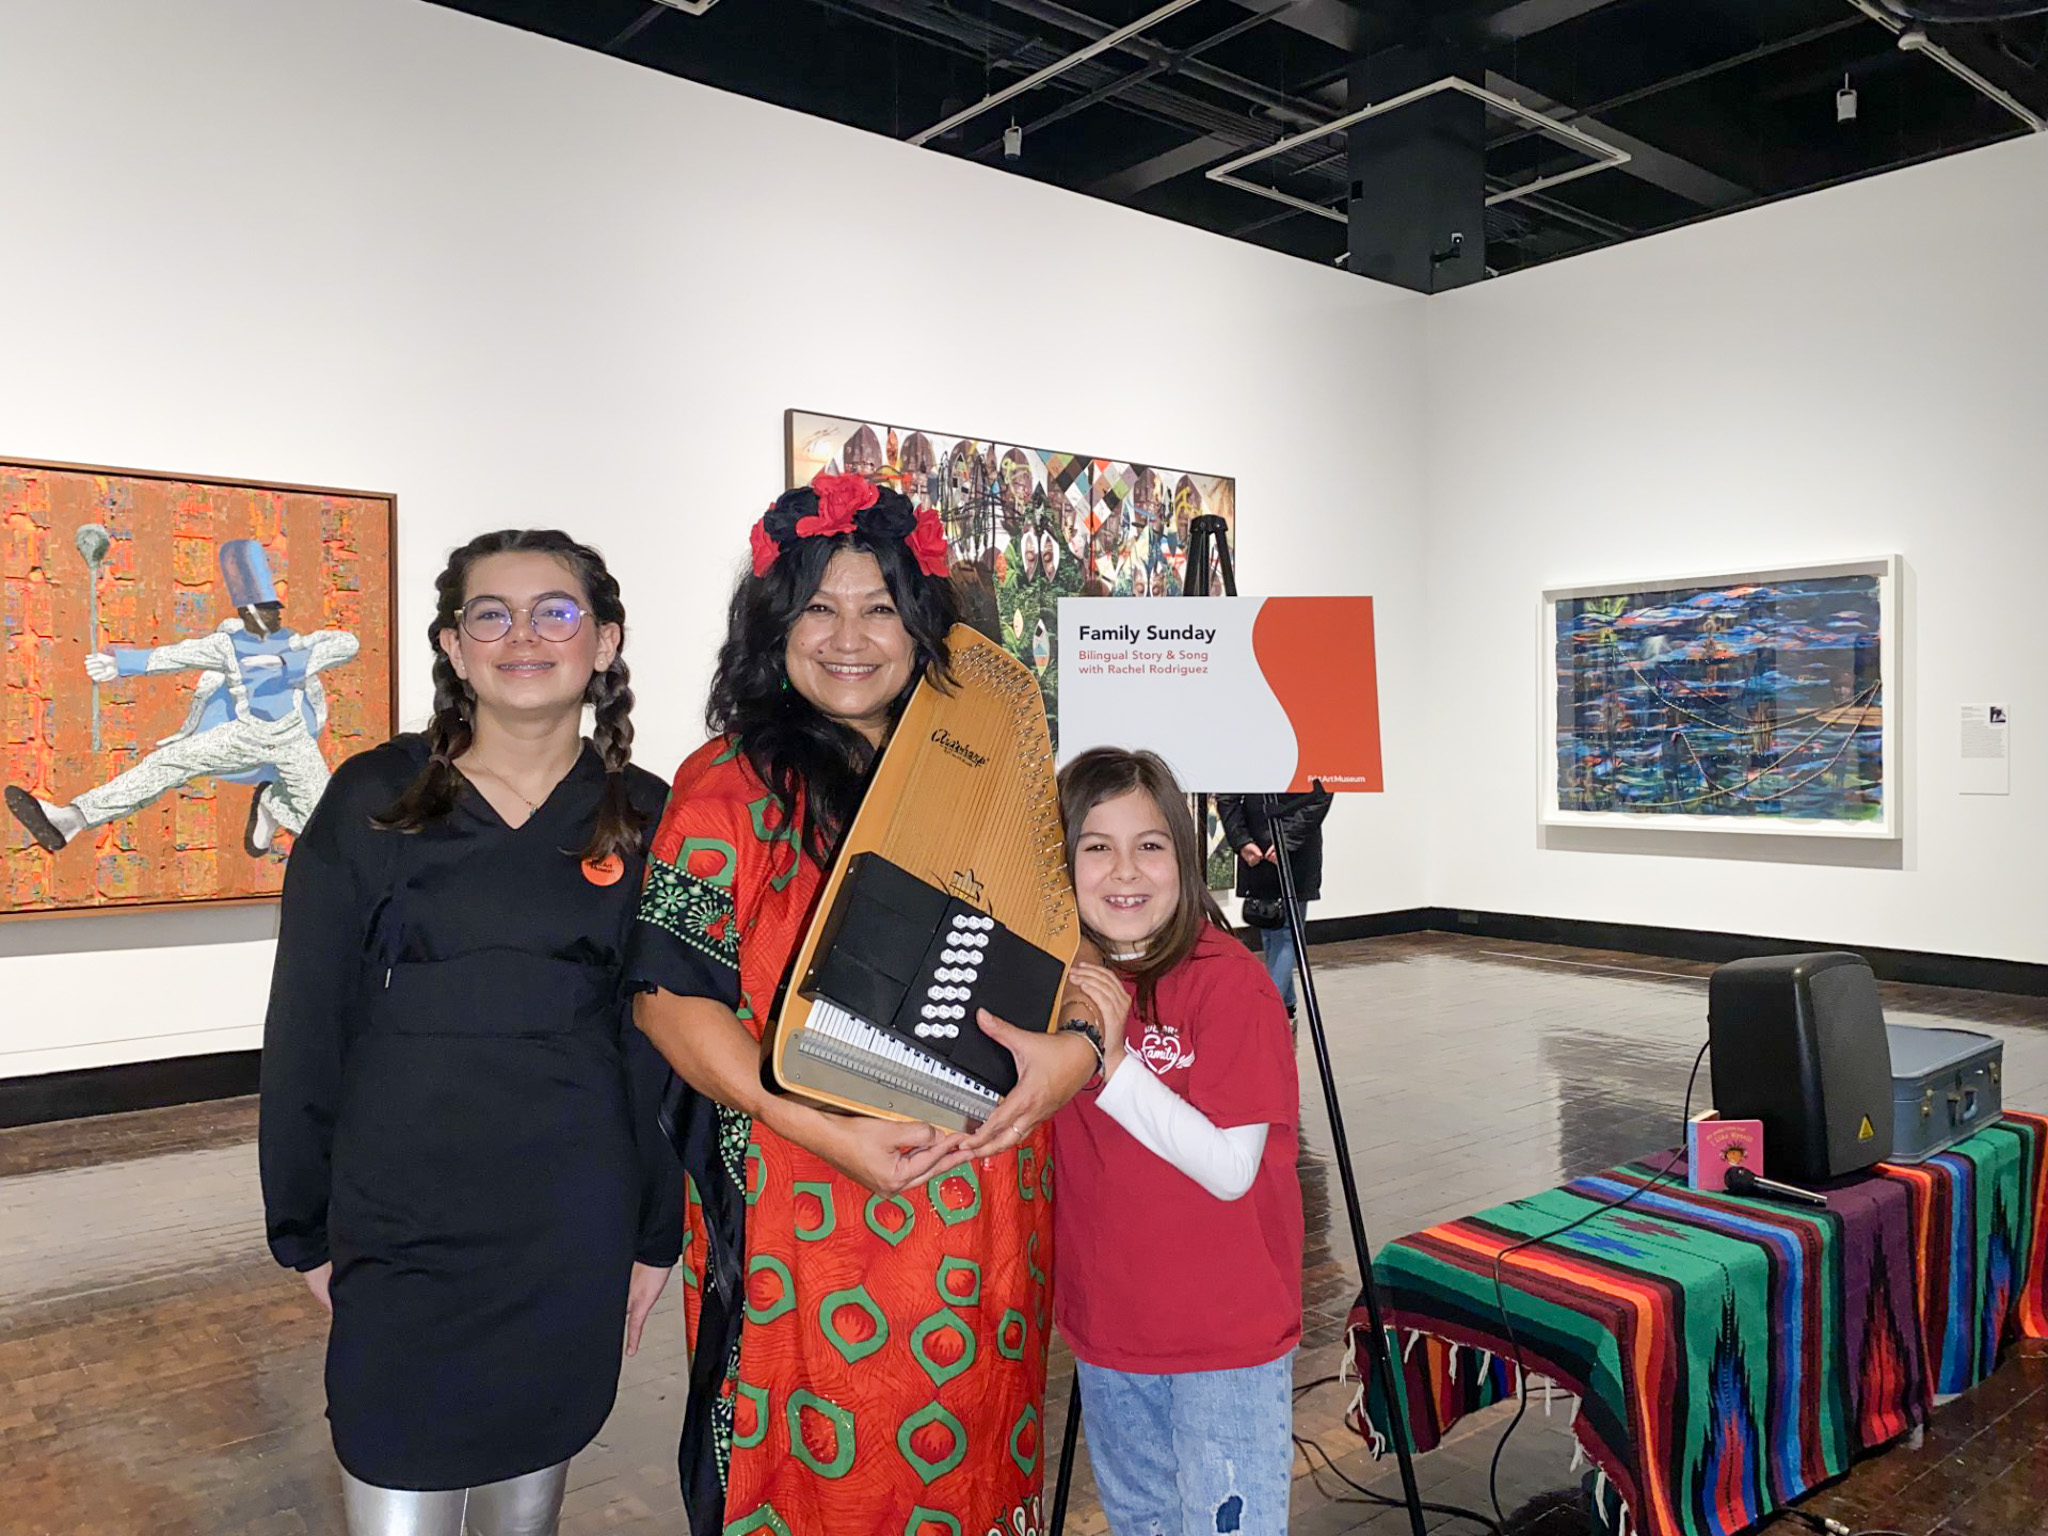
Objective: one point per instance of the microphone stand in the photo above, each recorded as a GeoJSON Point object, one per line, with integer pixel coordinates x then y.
{"type": "Point", "coordinates": [1210, 533]}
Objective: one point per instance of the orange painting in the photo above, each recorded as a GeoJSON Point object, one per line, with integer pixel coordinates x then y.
{"type": "Point", "coordinates": [186, 661]}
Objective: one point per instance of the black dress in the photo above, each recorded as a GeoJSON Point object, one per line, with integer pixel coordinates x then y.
{"type": "Point", "coordinates": [458, 1112]}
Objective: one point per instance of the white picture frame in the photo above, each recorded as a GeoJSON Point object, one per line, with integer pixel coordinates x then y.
{"type": "Point", "coordinates": [1736, 702]}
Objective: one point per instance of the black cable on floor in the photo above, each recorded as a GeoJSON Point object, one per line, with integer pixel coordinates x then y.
{"type": "Point", "coordinates": [1368, 1496]}
{"type": "Point", "coordinates": [1828, 1526]}
{"type": "Point", "coordinates": [1500, 1295]}
{"type": "Point", "coordinates": [1455, 1511]}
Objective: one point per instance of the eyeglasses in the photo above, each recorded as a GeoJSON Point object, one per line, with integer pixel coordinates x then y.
{"type": "Point", "coordinates": [485, 619]}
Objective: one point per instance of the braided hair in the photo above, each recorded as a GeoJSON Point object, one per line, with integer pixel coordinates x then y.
{"type": "Point", "coordinates": [807, 761]}
{"type": "Point", "coordinates": [620, 828]}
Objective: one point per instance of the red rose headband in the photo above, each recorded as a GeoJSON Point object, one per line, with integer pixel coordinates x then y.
{"type": "Point", "coordinates": [832, 505]}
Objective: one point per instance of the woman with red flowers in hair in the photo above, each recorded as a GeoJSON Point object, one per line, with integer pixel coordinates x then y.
{"type": "Point", "coordinates": [867, 1301]}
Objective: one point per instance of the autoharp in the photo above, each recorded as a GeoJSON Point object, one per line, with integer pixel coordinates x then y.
{"type": "Point", "coordinates": [949, 893]}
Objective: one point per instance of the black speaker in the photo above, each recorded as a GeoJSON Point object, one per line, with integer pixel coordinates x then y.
{"type": "Point", "coordinates": [1799, 1043]}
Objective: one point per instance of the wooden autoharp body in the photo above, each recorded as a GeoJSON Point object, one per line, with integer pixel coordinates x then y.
{"type": "Point", "coordinates": [948, 893]}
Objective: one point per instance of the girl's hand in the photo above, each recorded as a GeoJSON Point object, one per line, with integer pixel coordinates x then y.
{"type": "Point", "coordinates": [1250, 853]}
{"type": "Point", "coordinates": [1050, 1070]}
{"type": "Point", "coordinates": [318, 1279]}
{"type": "Point", "coordinates": [887, 1156]}
{"type": "Point", "coordinates": [1104, 990]}
{"type": "Point", "coordinates": [642, 1292]}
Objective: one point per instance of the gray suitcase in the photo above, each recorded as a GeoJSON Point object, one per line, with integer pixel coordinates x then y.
{"type": "Point", "coordinates": [1945, 1085]}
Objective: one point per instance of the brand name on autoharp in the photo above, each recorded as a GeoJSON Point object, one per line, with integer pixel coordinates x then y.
{"type": "Point", "coordinates": [959, 749]}
{"type": "Point", "coordinates": [1130, 634]}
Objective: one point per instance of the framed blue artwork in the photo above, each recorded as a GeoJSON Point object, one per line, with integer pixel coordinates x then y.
{"type": "Point", "coordinates": [1755, 701]}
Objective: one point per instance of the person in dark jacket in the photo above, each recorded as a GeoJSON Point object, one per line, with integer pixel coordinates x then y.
{"type": "Point", "coordinates": [1255, 832]}
{"type": "Point", "coordinates": [460, 1137]}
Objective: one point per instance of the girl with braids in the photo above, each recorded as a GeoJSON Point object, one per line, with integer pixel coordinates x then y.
{"type": "Point", "coordinates": [460, 1144]}
{"type": "Point", "coordinates": [867, 1302]}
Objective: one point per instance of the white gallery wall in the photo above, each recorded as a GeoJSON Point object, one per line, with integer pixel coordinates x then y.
{"type": "Point", "coordinates": [379, 245]}
{"type": "Point", "coordinates": [1850, 373]}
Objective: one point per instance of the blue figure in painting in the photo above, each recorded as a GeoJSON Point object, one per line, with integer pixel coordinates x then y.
{"type": "Point", "coordinates": [256, 716]}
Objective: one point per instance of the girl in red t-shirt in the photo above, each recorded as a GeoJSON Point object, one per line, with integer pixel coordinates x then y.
{"type": "Point", "coordinates": [1178, 1233]}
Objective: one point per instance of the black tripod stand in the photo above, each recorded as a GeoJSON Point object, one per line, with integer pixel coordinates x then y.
{"type": "Point", "coordinates": [1208, 537]}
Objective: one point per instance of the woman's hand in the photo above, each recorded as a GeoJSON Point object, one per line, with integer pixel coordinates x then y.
{"type": "Point", "coordinates": [1051, 1069]}
{"type": "Point", "coordinates": [886, 1156]}
{"type": "Point", "coordinates": [1104, 990]}
{"type": "Point", "coordinates": [642, 1292]}
{"type": "Point", "coordinates": [1250, 853]}
{"type": "Point", "coordinates": [318, 1279]}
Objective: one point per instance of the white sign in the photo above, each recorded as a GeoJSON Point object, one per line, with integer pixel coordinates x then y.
{"type": "Point", "coordinates": [1986, 765]}
{"type": "Point", "coordinates": [1238, 694]}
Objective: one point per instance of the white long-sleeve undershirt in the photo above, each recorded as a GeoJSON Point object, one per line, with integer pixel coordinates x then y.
{"type": "Point", "coordinates": [1222, 1160]}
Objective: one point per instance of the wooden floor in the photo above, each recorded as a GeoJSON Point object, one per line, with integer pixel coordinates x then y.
{"type": "Point", "coordinates": [158, 1375]}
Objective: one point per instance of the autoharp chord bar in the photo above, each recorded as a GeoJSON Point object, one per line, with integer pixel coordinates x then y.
{"type": "Point", "coordinates": [844, 1040]}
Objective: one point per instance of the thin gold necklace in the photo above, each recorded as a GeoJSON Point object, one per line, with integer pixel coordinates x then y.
{"type": "Point", "coordinates": [532, 807]}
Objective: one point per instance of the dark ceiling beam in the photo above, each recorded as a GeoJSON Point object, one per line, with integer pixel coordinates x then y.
{"type": "Point", "coordinates": [1279, 216]}
{"type": "Point", "coordinates": [1127, 183]}
{"type": "Point", "coordinates": [2004, 69]}
{"type": "Point", "coordinates": [1578, 218]}
{"type": "Point", "coordinates": [946, 27]}
{"type": "Point", "coordinates": [1658, 167]}
{"type": "Point", "coordinates": [1525, 18]}
{"type": "Point", "coordinates": [1335, 22]}
{"type": "Point", "coordinates": [1114, 88]}
{"type": "Point", "coordinates": [1293, 110]}
{"type": "Point", "coordinates": [634, 28]}
{"type": "Point", "coordinates": [1692, 76]}
{"type": "Point", "coordinates": [1308, 160]}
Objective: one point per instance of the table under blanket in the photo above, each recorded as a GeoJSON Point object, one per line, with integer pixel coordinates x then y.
{"type": "Point", "coordinates": [1722, 1356]}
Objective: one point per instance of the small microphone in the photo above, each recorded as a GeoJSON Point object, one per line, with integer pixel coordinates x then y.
{"type": "Point", "coordinates": [1744, 1182]}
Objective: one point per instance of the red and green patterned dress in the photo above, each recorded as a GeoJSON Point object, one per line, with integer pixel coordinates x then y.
{"type": "Point", "coordinates": [858, 1363]}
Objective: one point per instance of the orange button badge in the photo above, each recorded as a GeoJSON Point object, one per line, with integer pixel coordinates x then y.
{"type": "Point", "coordinates": [604, 871]}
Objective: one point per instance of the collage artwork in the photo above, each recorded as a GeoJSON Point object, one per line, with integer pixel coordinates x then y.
{"type": "Point", "coordinates": [185, 662]}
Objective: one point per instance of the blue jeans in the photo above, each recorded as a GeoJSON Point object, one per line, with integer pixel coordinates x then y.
{"type": "Point", "coordinates": [1205, 1453]}
{"type": "Point", "coordinates": [1278, 945]}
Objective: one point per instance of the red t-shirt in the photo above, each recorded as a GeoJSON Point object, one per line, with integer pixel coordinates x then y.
{"type": "Point", "coordinates": [1154, 1274]}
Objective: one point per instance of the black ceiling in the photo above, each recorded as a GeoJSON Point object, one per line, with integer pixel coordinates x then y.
{"type": "Point", "coordinates": [1723, 103]}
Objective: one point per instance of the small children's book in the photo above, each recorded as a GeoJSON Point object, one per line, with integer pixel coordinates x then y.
{"type": "Point", "coordinates": [1714, 1145]}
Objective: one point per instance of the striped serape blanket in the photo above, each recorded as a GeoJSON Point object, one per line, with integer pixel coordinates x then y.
{"type": "Point", "coordinates": [1722, 1356]}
